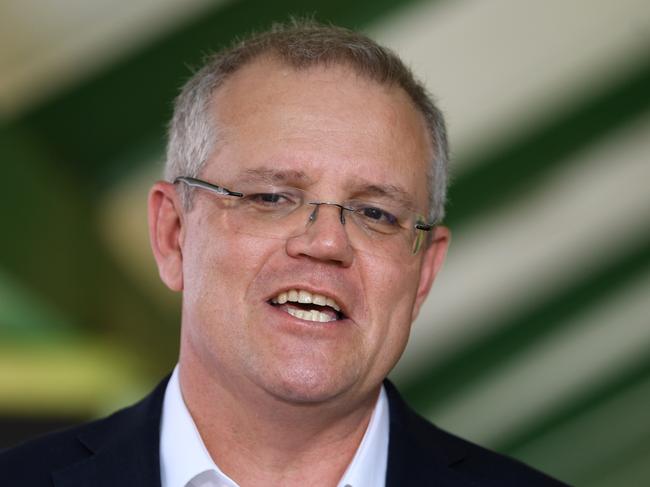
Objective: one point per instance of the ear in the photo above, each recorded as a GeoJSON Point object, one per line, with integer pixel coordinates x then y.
{"type": "Point", "coordinates": [166, 233]}
{"type": "Point", "coordinates": [434, 256]}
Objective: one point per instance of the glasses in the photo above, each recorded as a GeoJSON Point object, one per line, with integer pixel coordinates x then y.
{"type": "Point", "coordinates": [267, 210]}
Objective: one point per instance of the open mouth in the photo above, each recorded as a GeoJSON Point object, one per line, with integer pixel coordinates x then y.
{"type": "Point", "coordinates": [308, 306]}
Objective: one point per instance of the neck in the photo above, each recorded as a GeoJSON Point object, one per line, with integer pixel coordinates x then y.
{"type": "Point", "coordinates": [259, 439]}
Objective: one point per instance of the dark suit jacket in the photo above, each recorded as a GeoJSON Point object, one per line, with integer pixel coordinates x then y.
{"type": "Point", "coordinates": [123, 450]}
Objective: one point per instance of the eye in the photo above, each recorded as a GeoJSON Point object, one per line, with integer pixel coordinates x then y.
{"type": "Point", "coordinates": [273, 201]}
{"type": "Point", "coordinates": [267, 199]}
{"type": "Point", "coordinates": [377, 215]}
{"type": "Point", "coordinates": [270, 198]}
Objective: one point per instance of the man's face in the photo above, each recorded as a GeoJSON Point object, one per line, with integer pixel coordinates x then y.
{"type": "Point", "coordinates": [336, 135]}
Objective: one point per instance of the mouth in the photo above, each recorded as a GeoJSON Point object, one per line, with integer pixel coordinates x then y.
{"type": "Point", "coordinates": [308, 306]}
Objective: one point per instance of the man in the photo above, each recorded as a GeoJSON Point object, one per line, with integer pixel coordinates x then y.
{"type": "Point", "coordinates": [305, 183]}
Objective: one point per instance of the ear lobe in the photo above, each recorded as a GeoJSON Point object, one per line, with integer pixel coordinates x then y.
{"type": "Point", "coordinates": [166, 233]}
{"type": "Point", "coordinates": [432, 260]}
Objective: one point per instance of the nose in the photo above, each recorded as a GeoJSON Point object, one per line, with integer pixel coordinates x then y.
{"type": "Point", "coordinates": [325, 237]}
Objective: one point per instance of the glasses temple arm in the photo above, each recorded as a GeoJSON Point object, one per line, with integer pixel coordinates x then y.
{"type": "Point", "coordinates": [199, 183]}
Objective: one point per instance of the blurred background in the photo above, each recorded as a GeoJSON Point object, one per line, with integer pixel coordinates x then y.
{"type": "Point", "coordinates": [536, 338]}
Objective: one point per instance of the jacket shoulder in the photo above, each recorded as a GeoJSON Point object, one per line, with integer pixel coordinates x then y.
{"type": "Point", "coordinates": [418, 448]}
{"type": "Point", "coordinates": [491, 467]}
{"type": "Point", "coordinates": [34, 461]}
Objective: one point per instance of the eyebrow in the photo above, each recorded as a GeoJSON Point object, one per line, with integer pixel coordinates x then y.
{"type": "Point", "coordinates": [268, 175]}
{"type": "Point", "coordinates": [361, 187]}
{"type": "Point", "coordinates": [390, 191]}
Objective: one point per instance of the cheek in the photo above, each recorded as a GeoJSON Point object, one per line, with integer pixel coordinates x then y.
{"type": "Point", "coordinates": [219, 267]}
{"type": "Point", "coordinates": [391, 294]}
{"type": "Point", "coordinates": [215, 255]}
{"type": "Point", "coordinates": [223, 268]}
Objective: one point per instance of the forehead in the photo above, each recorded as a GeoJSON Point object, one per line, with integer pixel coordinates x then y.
{"type": "Point", "coordinates": [328, 122]}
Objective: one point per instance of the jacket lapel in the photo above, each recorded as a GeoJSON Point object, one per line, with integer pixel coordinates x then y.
{"type": "Point", "coordinates": [418, 453]}
{"type": "Point", "coordinates": [123, 448]}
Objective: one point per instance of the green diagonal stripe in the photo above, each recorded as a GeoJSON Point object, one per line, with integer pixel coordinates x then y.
{"type": "Point", "coordinates": [510, 339]}
{"type": "Point", "coordinates": [579, 423]}
{"type": "Point", "coordinates": [500, 178]}
{"type": "Point", "coordinates": [603, 392]}
{"type": "Point", "coordinates": [93, 124]}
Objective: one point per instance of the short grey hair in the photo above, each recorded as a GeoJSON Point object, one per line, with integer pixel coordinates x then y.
{"type": "Point", "coordinates": [299, 44]}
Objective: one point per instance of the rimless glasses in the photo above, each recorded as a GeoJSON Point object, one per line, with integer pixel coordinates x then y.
{"type": "Point", "coordinates": [266, 210]}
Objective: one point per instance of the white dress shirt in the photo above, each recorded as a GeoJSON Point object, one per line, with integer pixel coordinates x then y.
{"type": "Point", "coordinates": [185, 461]}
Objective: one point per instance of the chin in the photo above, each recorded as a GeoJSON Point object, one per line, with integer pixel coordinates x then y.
{"type": "Point", "coordinates": [308, 386]}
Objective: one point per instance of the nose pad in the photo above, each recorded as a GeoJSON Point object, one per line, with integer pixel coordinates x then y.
{"type": "Point", "coordinates": [323, 239]}
{"type": "Point", "coordinates": [314, 214]}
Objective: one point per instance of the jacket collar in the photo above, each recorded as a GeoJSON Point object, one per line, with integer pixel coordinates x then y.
{"type": "Point", "coordinates": [123, 448]}
{"type": "Point", "coordinates": [418, 452]}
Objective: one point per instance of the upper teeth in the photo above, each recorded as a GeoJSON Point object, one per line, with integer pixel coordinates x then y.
{"type": "Point", "coordinates": [302, 296]}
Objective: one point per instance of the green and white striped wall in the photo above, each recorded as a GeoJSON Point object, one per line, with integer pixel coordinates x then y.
{"type": "Point", "coordinates": [536, 338]}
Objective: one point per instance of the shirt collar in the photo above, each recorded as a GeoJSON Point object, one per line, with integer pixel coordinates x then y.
{"type": "Point", "coordinates": [183, 455]}
{"type": "Point", "coordinates": [368, 466]}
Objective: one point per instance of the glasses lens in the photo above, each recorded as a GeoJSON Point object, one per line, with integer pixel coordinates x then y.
{"type": "Point", "coordinates": [285, 212]}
